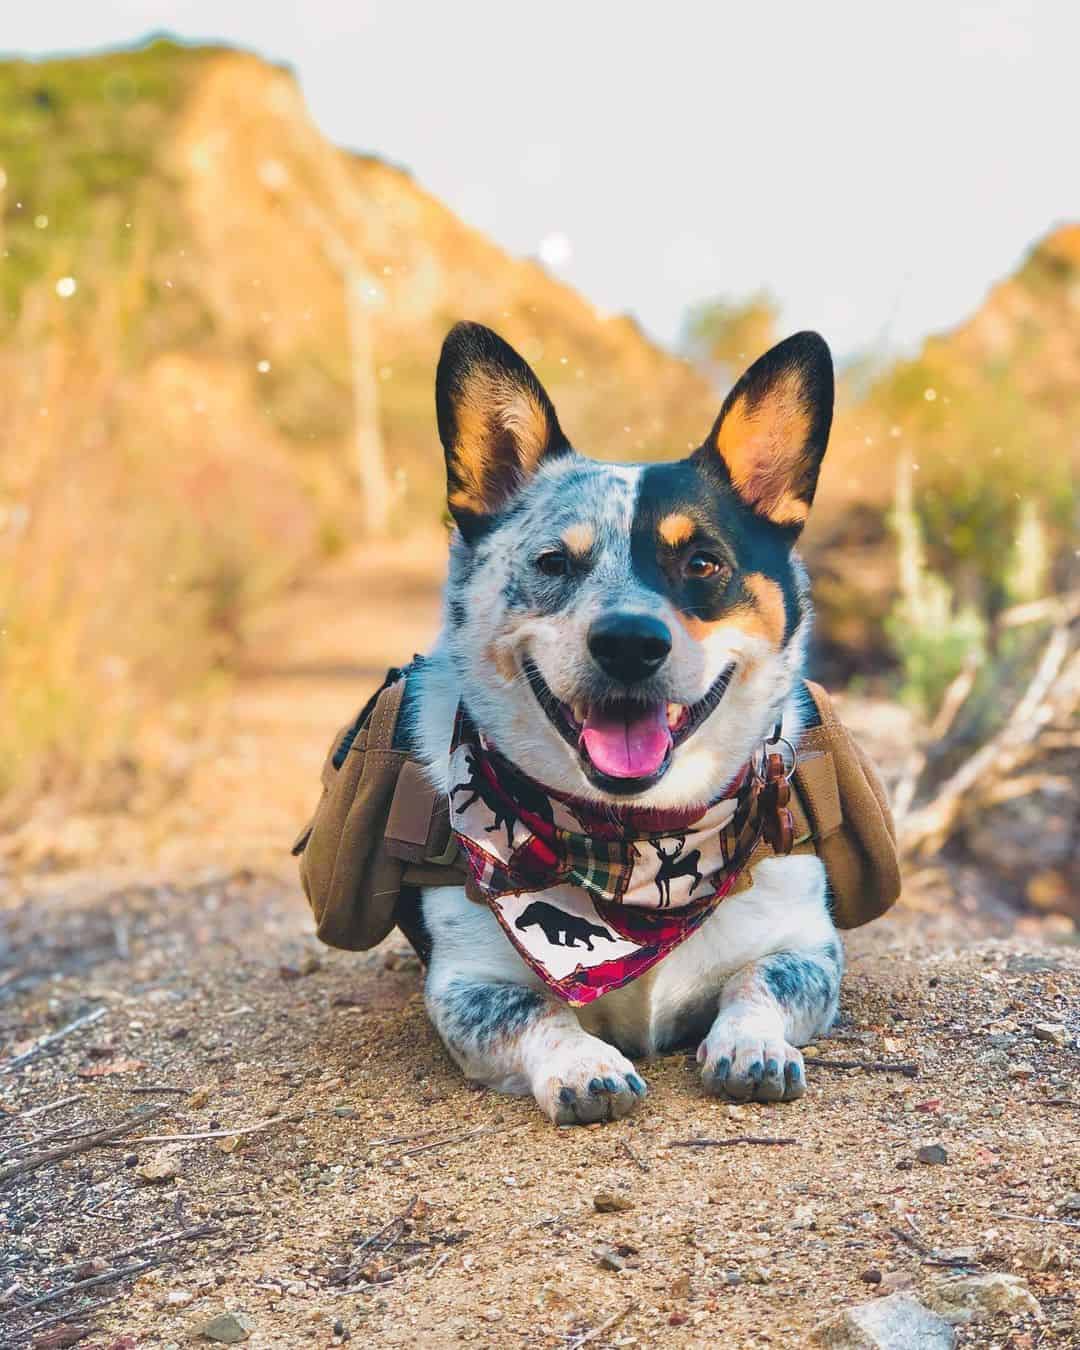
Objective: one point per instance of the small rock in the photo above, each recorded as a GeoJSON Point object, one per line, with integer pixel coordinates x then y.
{"type": "Point", "coordinates": [162, 1167]}
{"type": "Point", "coordinates": [995, 1110]}
{"type": "Point", "coordinates": [932, 1155]}
{"type": "Point", "coordinates": [1053, 1032]}
{"type": "Point", "coordinates": [871, 1276]}
{"type": "Point", "coordinates": [1022, 1071]}
{"type": "Point", "coordinates": [179, 1298]}
{"type": "Point", "coordinates": [609, 1259]}
{"type": "Point", "coordinates": [680, 1286]}
{"type": "Point", "coordinates": [492, 1314]}
{"type": "Point", "coordinates": [973, 1297]}
{"type": "Point", "coordinates": [894, 1323]}
{"type": "Point", "coordinates": [607, 1202]}
{"type": "Point", "coordinates": [228, 1327]}
{"type": "Point", "coordinates": [199, 1097]}
{"type": "Point", "coordinates": [1070, 1204]}
{"type": "Point", "coordinates": [1042, 1256]}
{"type": "Point", "coordinates": [678, 1319]}
{"type": "Point", "coordinates": [958, 1256]}
{"type": "Point", "coordinates": [345, 1112]}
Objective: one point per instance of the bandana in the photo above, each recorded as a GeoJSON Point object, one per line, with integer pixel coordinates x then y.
{"type": "Point", "coordinates": [591, 896]}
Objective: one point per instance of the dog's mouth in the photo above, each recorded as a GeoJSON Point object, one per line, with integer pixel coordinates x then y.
{"type": "Point", "coordinates": [625, 745]}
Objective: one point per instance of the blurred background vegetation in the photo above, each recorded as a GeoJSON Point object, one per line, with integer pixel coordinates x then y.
{"type": "Point", "coordinates": [217, 340]}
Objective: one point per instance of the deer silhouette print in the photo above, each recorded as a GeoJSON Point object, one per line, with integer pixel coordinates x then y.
{"type": "Point", "coordinates": [501, 808]}
{"type": "Point", "coordinates": [674, 864]}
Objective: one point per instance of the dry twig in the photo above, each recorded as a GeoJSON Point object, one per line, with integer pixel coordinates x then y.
{"type": "Point", "coordinates": [612, 1321]}
{"type": "Point", "coordinates": [84, 1021]}
{"type": "Point", "coordinates": [457, 1138]}
{"type": "Point", "coordinates": [1050, 696]}
{"type": "Point", "coordinates": [184, 1235]}
{"type": "Point", "coordinates": [78, 1287]}
{"type": "Point", "coordinates": [905, 1067]}
{"type": "Point", "coordinates": [1036, 1218]}
{"type": "Point", "coordinates": [99, 1139]}
{"type": "Point", "coordinates": [727, 1143]}
{"type": "Point", "coordinates": [639, 1163]}
{"type": "Point", "coordinates": [50, 1106]}
{"type": "Point", "coordinates": [209, 1134]}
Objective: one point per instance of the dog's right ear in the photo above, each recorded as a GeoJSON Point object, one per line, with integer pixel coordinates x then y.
{"type": "Point", "coordinates": [496, 424]}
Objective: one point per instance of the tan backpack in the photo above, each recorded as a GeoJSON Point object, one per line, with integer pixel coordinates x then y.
{"type": "Point", "coordinates": [381, 831]}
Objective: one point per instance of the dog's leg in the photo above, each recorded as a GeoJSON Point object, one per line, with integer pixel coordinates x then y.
{"type": "Point", "coordinates": [503, 1029]}
{"type": "Point", "coordinates": [767, 1009]}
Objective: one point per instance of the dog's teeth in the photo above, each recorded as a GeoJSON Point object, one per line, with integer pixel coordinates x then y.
{"type": "Point", "coordinates": [580, 711]}
{"type": "Point", "coordinates": [674, 714]}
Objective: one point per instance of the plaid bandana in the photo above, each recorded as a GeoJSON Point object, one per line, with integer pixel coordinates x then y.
{"type": "Point", "coordinates": [591, 897]}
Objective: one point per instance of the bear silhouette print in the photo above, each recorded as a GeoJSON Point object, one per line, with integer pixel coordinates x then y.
{"type": "Point", "coordinates": [557, 923]}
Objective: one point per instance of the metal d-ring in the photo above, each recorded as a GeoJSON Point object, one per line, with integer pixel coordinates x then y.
{"type": "Point", "coordinates": [783, 740]}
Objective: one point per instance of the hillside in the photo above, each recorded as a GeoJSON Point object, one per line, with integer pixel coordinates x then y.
{"type": "Point", "coordinates": [203, 304]}
{"type": "Point", "coordinates": [188, 189]}
{"type": "Point", "coordinates": [989, 413]}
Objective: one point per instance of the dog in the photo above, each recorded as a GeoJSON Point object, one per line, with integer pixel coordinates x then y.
{"type": "Point", "coordinates": [628, 636]}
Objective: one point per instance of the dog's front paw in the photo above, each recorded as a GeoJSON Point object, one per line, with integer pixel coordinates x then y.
{"type": "Point", "coordinates": [587, 1080]}
{"type": "Point", "coordinates": [750, 1061]}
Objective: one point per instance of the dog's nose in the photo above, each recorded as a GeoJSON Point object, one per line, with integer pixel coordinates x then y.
{"type": "Point", "coordinates": [629, 647]}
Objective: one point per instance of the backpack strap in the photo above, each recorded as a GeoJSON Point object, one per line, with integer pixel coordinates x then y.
{"type": "Point", "coordinates": [854, 834]}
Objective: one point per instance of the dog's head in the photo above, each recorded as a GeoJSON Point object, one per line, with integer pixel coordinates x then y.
{"type": "Point", "coordinates": [628, 631]}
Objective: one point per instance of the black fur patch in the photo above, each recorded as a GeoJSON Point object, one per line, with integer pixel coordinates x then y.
{"type": "Point", "coordinates": [724, 526]}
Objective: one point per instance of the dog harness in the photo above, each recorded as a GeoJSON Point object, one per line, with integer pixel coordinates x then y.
{"type": "Point", "coordinates": [590, 898]}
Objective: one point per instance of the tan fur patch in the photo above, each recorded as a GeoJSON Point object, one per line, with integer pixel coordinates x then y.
{"type": "Point", "coordinates": [676, 529]}
{"type": "Point", "coordinates": [762, 444]}
{"type": "Point", "coordinates": [489, 408]}
{"type": "Point", "coordinates": [579, 539]}
{"type": "Point", "coordinates": [763, 616]}
{"type": "Point", "coordinates": [500, 654]}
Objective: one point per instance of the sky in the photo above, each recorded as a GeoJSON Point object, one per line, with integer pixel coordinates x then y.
{"type": "Point", "coordinates": [875, 166]}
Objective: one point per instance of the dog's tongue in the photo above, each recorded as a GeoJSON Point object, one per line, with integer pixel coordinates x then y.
{"type": "Point", "coordinates": [627, 740]}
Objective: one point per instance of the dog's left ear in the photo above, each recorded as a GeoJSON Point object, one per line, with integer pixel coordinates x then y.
{"type": "Point", "coordinates": [496, 424]}
{"type": "Point", "coordinates": [772, 431]}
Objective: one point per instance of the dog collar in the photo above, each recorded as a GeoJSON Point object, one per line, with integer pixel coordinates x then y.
{"type": "Point", "coordinates": [592, 897]}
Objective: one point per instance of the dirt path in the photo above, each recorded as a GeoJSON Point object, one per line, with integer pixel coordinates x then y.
{"type": "Point", "coordinates": [390, 1200]}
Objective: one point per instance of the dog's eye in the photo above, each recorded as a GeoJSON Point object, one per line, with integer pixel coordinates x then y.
{"type": "Point", "coordinates": [553, 563]}
{"type": "Point", "coordinates": [704, 566]}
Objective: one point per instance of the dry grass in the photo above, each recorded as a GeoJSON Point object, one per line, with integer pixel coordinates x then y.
{"type": "Point", "coordinates": [135, 541]}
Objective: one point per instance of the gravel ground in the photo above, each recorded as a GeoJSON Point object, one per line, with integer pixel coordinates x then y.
{"type": "Point", "coordinates": [383, 1200]}
{"type": "Point", "coordinates": [395, 1202]}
